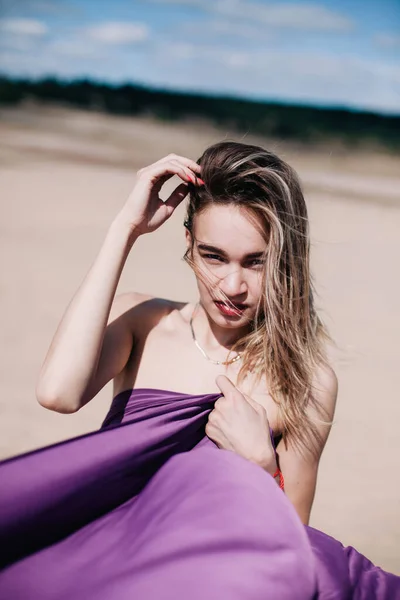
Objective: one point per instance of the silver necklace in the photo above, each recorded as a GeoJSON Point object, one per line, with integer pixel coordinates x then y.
{"type": "Point", "coordinates": [214, 362]}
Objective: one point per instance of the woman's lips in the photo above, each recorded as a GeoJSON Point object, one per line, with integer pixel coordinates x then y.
{"type": "Point", "coordinates": [233, 310]}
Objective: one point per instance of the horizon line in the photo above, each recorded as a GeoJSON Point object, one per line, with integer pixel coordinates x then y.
{"type": "Point", "coordinates": [255, 99]}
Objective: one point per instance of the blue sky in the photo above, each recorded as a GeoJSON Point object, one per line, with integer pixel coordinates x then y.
{"type": "Point", "coordinates": [340, 53]}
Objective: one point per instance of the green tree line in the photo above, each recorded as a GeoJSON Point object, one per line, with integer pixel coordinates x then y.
{"type": "Point", "coordinates": [290, 122]}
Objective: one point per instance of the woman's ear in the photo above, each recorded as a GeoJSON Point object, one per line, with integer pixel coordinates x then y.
{"type": "Point", "coordinates": [188, 237]}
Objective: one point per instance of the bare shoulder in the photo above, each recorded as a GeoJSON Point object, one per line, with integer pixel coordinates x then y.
{"type": "Point", "coordinates": [325, 379]}
{"type": "Point", "coordinates": [325, 388]}
{"type": "Point", "coordinates": [143, 311]}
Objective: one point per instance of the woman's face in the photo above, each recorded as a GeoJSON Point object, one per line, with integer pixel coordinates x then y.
{"type": "Point", "coordinates": [229, 257]}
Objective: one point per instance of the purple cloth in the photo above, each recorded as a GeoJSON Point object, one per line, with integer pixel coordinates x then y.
{"type": "Point", "coordinates": [149, 508]}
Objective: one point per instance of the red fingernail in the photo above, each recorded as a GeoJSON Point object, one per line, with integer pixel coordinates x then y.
{"type": "Point", "coordinates": [200, 181]}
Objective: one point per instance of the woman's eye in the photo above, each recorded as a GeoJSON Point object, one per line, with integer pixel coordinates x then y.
{"type": "Point", "coordinates": [213, 257]}
{"type": "Point", "coordinates": [257, 262]}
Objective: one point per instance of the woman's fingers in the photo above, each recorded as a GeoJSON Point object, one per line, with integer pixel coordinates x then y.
{"type": "Point", "coordinates": [152, 174]}
{"type": "Point", "coordinates": [217, 436]}
{"type": "Point", "coordinates": [177, 196]}
{"type": "Point", "coordinates": [144, 208]}
{"type": "Point", "coordinates": [192, 168]}
{"type": "Point", "coordinates": [229, 390]}
{"type": "Point", "coordinates": [187, 162]}
{"type": "Point", "coordinates": [158, 173]}
{"type": "Point", "coordinates": [226, 386]}
{"type": "Point", "coordinates": [189, 172]}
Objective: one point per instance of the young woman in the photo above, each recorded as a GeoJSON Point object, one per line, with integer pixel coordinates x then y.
{"type": "Point", "coordinates": [247, 240]}
{"type": "Point", "coordinates": [243, 368]}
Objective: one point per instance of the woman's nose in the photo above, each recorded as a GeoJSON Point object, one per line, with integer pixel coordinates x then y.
{"type": "Point", "coordinates": [234, 283]}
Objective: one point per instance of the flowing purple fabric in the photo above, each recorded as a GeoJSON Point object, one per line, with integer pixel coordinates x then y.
{"type": "Point", "coordinates": [148, 508]}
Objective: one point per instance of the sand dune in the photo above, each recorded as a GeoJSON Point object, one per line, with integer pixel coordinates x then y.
{"type": "Point", "coordinates": [63, 176]}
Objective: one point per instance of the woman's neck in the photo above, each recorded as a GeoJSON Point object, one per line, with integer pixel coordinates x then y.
{"type": "Point", "coordinates": [212, 336]}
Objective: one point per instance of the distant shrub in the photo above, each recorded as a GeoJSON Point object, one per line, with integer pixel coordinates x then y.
{"type": "Point", "coordinates": [288, 122]}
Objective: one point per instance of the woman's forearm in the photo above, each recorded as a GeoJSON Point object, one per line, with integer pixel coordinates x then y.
{"type": "Point", "coordinates": [74, 352]}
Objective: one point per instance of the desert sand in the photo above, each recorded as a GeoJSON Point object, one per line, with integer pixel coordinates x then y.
{"type": "Point", "coordinates": [64, 174]}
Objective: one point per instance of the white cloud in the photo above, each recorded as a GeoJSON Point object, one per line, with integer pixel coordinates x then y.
{"type": "Point", "coordinates": [21, 35]}
{"type": "Point", "coordinates": [182, 51]}
{"type": "Point", "coordinates": [293, 76]}
{"type": "Point", "coordinates": [118, 33]}
{"type": "Point", "coordinates": [207, 55]}
{"type": "Point", "coordinates": [236, 60]}
{"type": "Point", "coordinates": [23, 27]}
{"type": "Point", "coordinates": [304, 17]}
{"type": "Point", "coordinates": [242, 30]}
{"type": "Point", "coordinates": [258, 71]}
{"type": "Point", "coordinates": [75, 48]}
{"type": "Point", "coordinates": [387, 40]}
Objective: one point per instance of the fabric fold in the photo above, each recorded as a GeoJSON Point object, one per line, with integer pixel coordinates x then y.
{"type": "Point", "coordinates": [148, 507]}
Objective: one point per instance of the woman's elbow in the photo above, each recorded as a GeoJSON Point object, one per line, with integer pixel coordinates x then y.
{"type": "Point", "coordinates": [56, 402]}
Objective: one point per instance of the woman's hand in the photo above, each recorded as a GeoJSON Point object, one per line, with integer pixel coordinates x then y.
{"type": "Point", "coordinates": [240, 424]}
{"type": "Point", "coordinates": [144, 210]}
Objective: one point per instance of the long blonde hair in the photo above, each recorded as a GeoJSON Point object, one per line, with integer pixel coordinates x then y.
{"type": "Point", "coordinates": [285, 343]}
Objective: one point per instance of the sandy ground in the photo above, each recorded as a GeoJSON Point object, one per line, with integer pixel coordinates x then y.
{"type": "Point", "coordinates": [64, 175]}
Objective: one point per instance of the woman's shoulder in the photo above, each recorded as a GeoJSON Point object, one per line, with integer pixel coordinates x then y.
{"type": "Point", "coordinates": [144, 311]}
{"type": "Point", "coordinates": [325, 388]}
{"type": "Point", "coordinates": [325, 378]}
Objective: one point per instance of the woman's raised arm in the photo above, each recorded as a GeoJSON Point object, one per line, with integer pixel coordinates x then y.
{"type": "Point", "coordinates": [74, 369]}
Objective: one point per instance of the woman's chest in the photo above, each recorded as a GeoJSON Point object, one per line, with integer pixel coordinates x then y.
{"type": "Point", "coordinates": [171, 361]}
